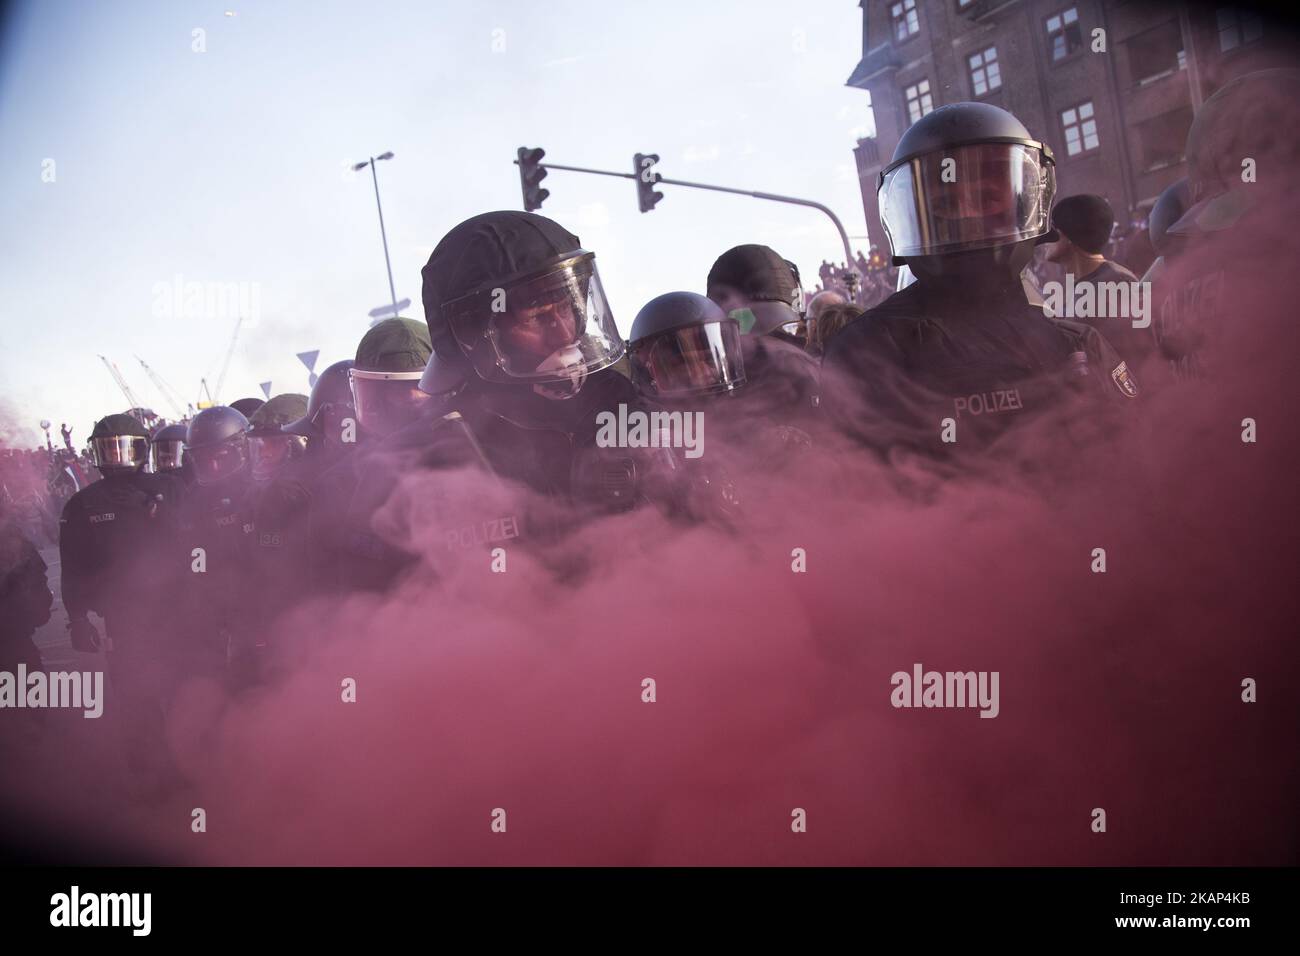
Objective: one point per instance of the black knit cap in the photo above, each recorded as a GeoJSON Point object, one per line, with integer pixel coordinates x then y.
{"type": "Point", "coordinates": [1085, 219]}
{"type": "Point", "coordinates": [757, 272]}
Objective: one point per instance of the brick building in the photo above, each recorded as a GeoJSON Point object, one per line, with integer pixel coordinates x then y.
{"type": "Point", "coordinates": [1116, 119]}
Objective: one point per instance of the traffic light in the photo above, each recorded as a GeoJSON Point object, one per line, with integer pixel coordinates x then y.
{"type": "Point", "coordinates": [531, 174]}
{"type": "Point", "coordinates": [646, 177]}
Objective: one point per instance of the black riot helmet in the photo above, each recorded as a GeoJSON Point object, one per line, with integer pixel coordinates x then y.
{"type": "Point", "coordinates": [167, 449]}
{"type": "Point", "coordinates": [269, 448]}
{"type": "Point", "coordinates": [1254, 116]}
{"type": "Point", "coordinates": [246, 406]}
{"type": "Point", "coordinates": [329, 404]}
{"type": "Point", "coordinates": [1168, 209]}
{"type": "Point", "coordinates": [682, 343]}
{"type": "Point", "coordinates": [216, 443]}
{"type": "Point", "coordinates": [512, 298]}
{"type": "Point", "coordinates": [967, 178]}
{"type": "Point", "coordinates": [385, 378]}
{"type": "Point", "coordinates": [119, 444]}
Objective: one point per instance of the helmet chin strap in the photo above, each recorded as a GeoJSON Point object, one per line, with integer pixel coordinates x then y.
{"type": "Point", "coordinates": [571, 370]}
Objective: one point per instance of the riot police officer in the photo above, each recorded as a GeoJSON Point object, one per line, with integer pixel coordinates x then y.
{"type": "Point", "coordinates": [686, 353]}
{"type": "Point", "coordinates": [761, 289]}
{"type": "Point", "coordinates": [329, 424]}
{"type": "Point", "coordinates": [524, 353]}
{"type": "Point", "coordinates": [525, 348]}
{"type": "Point", "coordinates": [949, 362]}
{"type": "Point", "coordinates": [107, 531]}
{"type": "Point", "coordinates": [217, 542]}
{"type": "Point", "coordinates": [1169, 207]}
{"type": "Point", "coordinates": [278, 502]}
{"type": "Point", "coordinates": [1217, 280]}
{"type": "Point", "coordinates": [114, 538]}
{"type": "Point", "coordinates": [684, 346]}
{"type": "Point", "coordinates": [324, 478]}
{"type": "Point", "coordinates": [270, 449]}
{"type": "Point", "coordinates": [167, 453]}
{"type": "Point", "coordinates": [385, 398]}
{"type": "Point", "coordinates": [385, 378]}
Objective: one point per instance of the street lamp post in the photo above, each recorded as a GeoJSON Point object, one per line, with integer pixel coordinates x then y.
{"type": "Point", "coordinates": [392, 290]}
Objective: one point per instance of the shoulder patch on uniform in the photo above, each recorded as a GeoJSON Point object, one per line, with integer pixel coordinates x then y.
{"type": "Point", "coordinates": [1124, 380]}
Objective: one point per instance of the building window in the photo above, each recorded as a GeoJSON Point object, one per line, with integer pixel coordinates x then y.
{"type": "Point", "coordinates": [919, 101]}
{"type": "Point", "coordinates": [906, 21]}
{"type": "Point", "coordinates": [1159, 141]}
{"type": "Point", "coordinates": [1237, 27]}
{"type": "Point", "coordinates": [1080, 127]}
{"type": "Point", "coordinates": [1155, 54]}
{"type": "Point", "coordinates": [984, 73]}
{"type": "Point", "coordinates": [1064, 33]}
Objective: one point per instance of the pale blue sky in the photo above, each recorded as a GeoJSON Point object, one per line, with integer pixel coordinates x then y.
{"type": "Point", "coordinates": [227, 166]}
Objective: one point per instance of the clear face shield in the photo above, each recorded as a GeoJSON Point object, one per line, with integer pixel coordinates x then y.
{"type": "Point", "coordinates": [967, 197]}
{"type": "Point", "coordinates": [215, 463]}
{"type": "Point", "coordinates": [689, 361]}
{"type": "Point", "coordinates": [119, 452]}
{"type": "Point", "coordinates": [387, 401]}
{"type": "Point", "coordinates": [167, 456]}
{"type": "Point", "coordinates": [547, 330]}
{"type": "Point", "coordinates": [270, 453]}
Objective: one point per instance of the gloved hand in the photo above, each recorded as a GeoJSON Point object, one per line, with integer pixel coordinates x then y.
{"type": "Point", "coordinates": [84, 636]}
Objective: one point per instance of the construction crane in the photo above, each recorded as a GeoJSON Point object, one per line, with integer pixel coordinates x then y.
{"type": "Point", "coordinates": [132, 401]}
{"type": "Point", "coordinates": [225, 364]}
{"type": "Point", "coordinates": [167, 392]}
{"type": "Point", "coordinates": [214, 395]}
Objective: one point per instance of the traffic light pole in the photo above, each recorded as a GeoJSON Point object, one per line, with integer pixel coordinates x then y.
{"type": "Point", "coordinates": [794, 200]}
{"type": "Point", "coordinates": [771, 197]}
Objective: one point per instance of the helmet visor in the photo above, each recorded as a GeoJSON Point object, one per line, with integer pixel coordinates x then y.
{"type": "Point", "coordinates": [689, 360]}
{"type": "Point", "coordinates": [515, 333]}
{"type": "Point", "coordinates": [168, 455]}
{"type": "Point", "coordinates": [270, 453]}
{"type": "Point", "coordinates": [215, 463]}
{"type": "Point", "coordinates": [387, 401]}
{"type": "Point", "coordinates": [119, 451]}
{"type": "Point", "coordinates": [967, 197]}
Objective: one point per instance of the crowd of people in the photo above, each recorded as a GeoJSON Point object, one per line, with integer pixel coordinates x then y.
{"type": "Point", "coordinates": [219, 525]}
{"type": "Point", "coordinates": [36, 482]}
